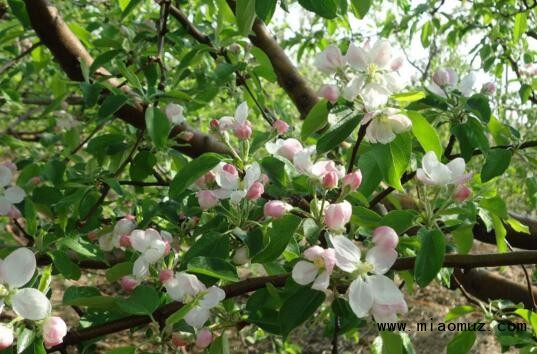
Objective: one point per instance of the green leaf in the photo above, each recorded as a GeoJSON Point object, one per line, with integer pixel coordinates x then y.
{"type": "Point", "coordinates": [464, 238]}
{"type": "Point", "coordinates": [409, 96]}
{"type": "Point", "coordinates": [425, 133]}
{"type": "Point", "coordinates": [111, 105]}
{"type": "Point", "coordinates": [458, 311]}
{"type": "Point", "coordinates": [212, 244]}
{"type": "Point", "coordinates": [391, 343]}
{"type": "Point", "coordinates": [461, 343]}
{"type": "Point", "coordinates": [19, 10]}
{"type": "Point", "coordinates": [496, 162]}
{"type": "Point", "coordinates": [143, 301]}
{"type": "Point", "coordinates": [142, 165]}
{"type": "Point", "coordinates": [528, 316]}
{"type": "Point", "coordinates": [337, 134]}
{"type": "Point", "coordinates": [275, 170]}
{"type": "Point", "coordinates": [316, 119]}
{"type": "Point", "coordinates": [87, 296]}
{"type": "Point", "coordinates": [122, 350]}
{"type": "Point", "coordinates": [245, 15]}
{"type": "Point", "coordinates": [265, 9]}
{"type": "Point", "coordinates": [393, 159]}
{"type": "Point", "coordinates": [192, 171]}
{"type": "Point", "coordinates": [361, 7]}
{"type": "Point", "coordinates": [25, 339]}
{"type": "Point", "coordinates": [278, 237]}
{"type": "Point", "coordinates": [430, 256]}
{"type": "Point", "coordinates": [521, 25]}
{"type": "Point", "coordinates": [158, 126]}
{"type": "Point", "coordinates": [426, 32]}
{"type": "Point", "coordinates": [220, 345]}
{"type": "Point", "coordinates": [65, 265]}
{"type": "Point", "coordinates": [525, 92]}
{"type": "Point", "coordinates": [117, 271]}
{"type": "Point", "coordinates": [131, 6]}
{"type": "Point", "coordinates": [102, 59]}
{"type": "Point", "coordinates": [298, 308]}
{"type": "Point", "coordinates": [479, 105]}
{"type": "Point", "coordinates": [323, 8]}
{"type": "Point", "coordinates": [213, 267]}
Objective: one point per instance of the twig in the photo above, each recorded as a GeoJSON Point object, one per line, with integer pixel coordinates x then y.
{"type": "Point", "coordinates": [335, 336]}
{"type": "Point", "coordinates": [464, 292]}
{"type": "Point", "coordinates": [528, 281]}
{"type": "Point", "coordinates": [6, 66]}
{"type": "Point", "coordinates": [361, 135]}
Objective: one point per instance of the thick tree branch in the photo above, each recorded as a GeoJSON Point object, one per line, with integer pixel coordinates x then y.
{"type": "Point", "coordinates": [249, 285]}
{"type": "Point", "coordinates": [69, 52]}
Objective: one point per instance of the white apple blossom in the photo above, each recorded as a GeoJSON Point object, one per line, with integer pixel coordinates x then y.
{"type": "Point", "coordinates": [231, 186]}
{"type": "Point", "coordinates": [16, 270]}
{"type": "Point", "coordinates": [152, 245]}
{"type": "Point", "coordinates": [284, 147]}
{"type": "Point", "coordinates": [377, 76]}
{"type": "Point", "coordinates": [239, 123]}
{"type": "Point", "coordinates": [368, 291]}
{"type": "Point", "coordinates": [434, 172]}
{"type": "Point", "coordinates": [330, 60]}
{"type": "Point", "coordinates": [384, 125]}
{"type": "Point", "coordinates": [8, 195]}
{"type": "Point", "coordinates": [446, 80]}
{"type": "Point", "coordinates": [302, 161]}
{"type": "Point", "coordinates": [175, 113]}
{"type": "Point", "coordinates": [109, 240]}
{"type": "Point", "coordinates": [317, 270]}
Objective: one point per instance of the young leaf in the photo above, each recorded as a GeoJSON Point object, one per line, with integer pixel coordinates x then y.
{"type": "Point", "coordinates": [265, 9]}
{"type": "Point", "coordinates": [361, 7]}
{"type": "Point", "coordinates": [393, 159]}
{"type": "Point", "coordinates": [337, 134]}
{"type": "Point", "coordinates": [521, 25]}
{"type": "Point", "coordinates": [430, 256]}
{"type": "Point", "coordinates": [245, 15]}
{"type": "Point", "coordinates": [65, 265]}
{"type": "Point", "coordinates": [158, 126]}
{"type": "Point", "coordinates": [192, 171]}
{"type": "Point", "coordinates": [461, 343]}
{"type": "Point", "coordinates": [111, 105]}
{"type": "Point", "coordinates": [213, 267]}
{"type": "Point", "coordinates": [143, 301]}
{"type": "Point", "coordinates": [278, 237]}
{"type": "Point", "coordinates": [425, 133]}
{"type": "Point", "coordinates": [316, 119]}
{"type": "Point", "coordinates": [220, 345]}
{"type": "Point", "coordinates": [479, 105]}
{"type": "Point", "coordinates": [497, 161]}
{"type": "Point", "coordinates": [323, 8]}
{"type": "Point", "coordinates": [299, 307]}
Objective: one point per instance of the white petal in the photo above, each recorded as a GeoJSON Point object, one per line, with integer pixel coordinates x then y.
{"type": "Point", "coordinates": [15, 194]}
{"type": "Point", "coordinates": [18, 268]}
{"type": "Point", "coordinates": [5, 206]}
{"type": "Point", "coordinates": [140, 240]}
{"type": "Point", "coordinates": [124, 227]}
{"type": "Point", "coordinates": [106, 242]}
{"type": "Point", "coordinates": [174, 289]}
{"type": "Point", "coordinates": [429, 161]}
{"type": "Point", "coordinates": [384, 290]}
{"type": "Point", "coordinates": [322, 281]}
{"type": "Point", "coordinates": [351, 91]}
{"type": "Point", "coordinates": [1, 306]}
{"type": "Point", "coordinates": [5, 176]}
{"type": "Point", "coordinates": [456, 167]}
{"type": "Point", "coordinates": [226, 123]}
{"type": "Point", "coordinates": [140, 268]}
{"type": "Point", "coordinates": [212, 298]}
{"type": "Point", "coordinates": [423, 177]}
{"type": "Point", "coordinates": [381, 258]}
{"type": "Point", "coordinates": [155, 251]}
{"type": "Point", "coordinates": [347, 253]}
{"type": "Point", "coordinates": [304, 272]}
{"type": "Point", "coordinates": [381, 53]}
{"type": "Point", "coordinates": [241, 114]}
{"type": "Point", "coordinates": [374, 96]}
{"type": "Point", "coordinates": [252, 174]}
{"type": "Point", "coordinates": [360, 297]}
{"type": "Point", "coordinates": [190, 283]}
{"type": "Point", "coordinates": [197, 317]}
{"type": "Point", "coordinates": [441, 174]}
{"type": "Point", "coordinates": [31, 304]}
{"type": "Point", "coordinates": [273, 147]}
{"type": "Point", "coordinates": [379, 131]}
{"type": "Point", "coordinates": [437, 90]}
{"type": "Point", "coordinates": [237, 196]}
{"type": "Point", "coordinates": [400, 123]}
{"type": "Point", "coordinates": [357, 57]}
{"type": "Point", "coordinates": [467, 84]}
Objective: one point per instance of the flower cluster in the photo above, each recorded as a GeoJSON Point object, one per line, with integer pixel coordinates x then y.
{"type": "Point", "coordinates": [16, 270]}
{"type": "Point", "coordinates": [9, 195]}
{"type": "Point", "coordinates": [447, 80]}
{"type": "Point", "coordinates": [373, 79]}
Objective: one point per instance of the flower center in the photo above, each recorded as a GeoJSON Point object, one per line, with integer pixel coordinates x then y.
{"type": "Point", "coordinates": [318, 262]}
{"type": "Point", "coordinates": [363, 268]}
{"type": "Point", "coordinates": [3, 291]}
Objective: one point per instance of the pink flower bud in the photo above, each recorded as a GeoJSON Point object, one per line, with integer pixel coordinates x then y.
{"type": "Point", "coordinates": [280, 126]}
{"type": "Point", "coordinates": [54, 329]}
{"type": "Point", "coordinates": [445, 77]}
{"type": "Point", "coordinates": [129, 217]}
{"type": "Point", "coordinates": [214, 124]}
{"type": "Point", "coordinates": [336, 216]}
{"type": "Point", "coordinates": [125, 241]}
{"type": "Point", "coordinates": [329, 92]}
{"type": "Point", "coordinates": [230, 169]}
{"type": "Point", "coordinates": [210, 177]}
{"type": "Point", "coordinates": [167, 248]}
{"type": "Point", "coordinates": [6, 337]}
{"type": "Point", "coordinates": [330, 180]}
{"type": "Point", "coordinates": [10, 165]}
{"type": "Point", "coordinates": [204, 338]}
{"type": "Point", "coordinates": [461, 193]}
{"type": "Point", "coordinates": [276, 208]}
{"type": "Point", "coordinates": [353, 180]}
{"type": "Point", "coordinates": [178, 341]}
{"type": "Point", "coordinates": [264, 179]}
{"type": "Point", "coordinates": [243, 130]}
{"type": "Point", "coordinates": [128, 284]}
{"type": "Point", "coordinates": [397, 63]}
{"type": "Point", "coordinates": [489, 88]}
{"type": "Point", "coordinates": [385, 237]}
{"type": "Point", "coordinates": [165, 274]}
{"type": "Point", "coordinates": [255, 191]}
{"type": "Point", "coordinates": [35, 180]}
{"type": "Point", "coordinates": [14, 213]}
{"type": "Point", "coordinates": [289, 148]}
{"type": "Point", "coordinates": [93, 236]}
{"type": "Point", "coordinates": [207, 199]}
{"type": "Point", "coordinates": [241, 256]}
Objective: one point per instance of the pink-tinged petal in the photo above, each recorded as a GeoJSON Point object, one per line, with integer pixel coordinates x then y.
{"type": "Point", "coordinates": [15, 194]}
{"type": "Point", "coordinates": [31, 304]}
{"type": "Point", "coordinates": [337, 215]}
{"type": "Point", "coordinates": [386, 237]}
{"type": "Point", "coordinates": [276, 209]}
{"type": "Point", "coordinates": [357, 57]}
{"type": "Point", "coordinates": [381, 53]}
{"type": "Point", "coordinates": [5, 176]}
{"type": "Point", "coordinates": [213, 297]}
{"type": "Point", "coordinates": [140, 240]}
{"type": "Point", "coordinates": [124, 227]}
{"type": "Point", "coordinates": [313, 252]}
{"type": "Point", "coordinates": [329, 257]}
{"type": "Point", "coordinates": [360, 297]}
{"type": "Point", "coordinates": [204, 338]}
{"type": "Point", "coordinates": [304, 272]}
{"type": "Point", "coordinates": [54, 329]}
{"type": "Point", "coordinates": [381, 258]}
{"type": "Point", "coordinates": [6, 336]}
{"type": "Point", "coordinates": [347, 253]}
{"type": "Point", "coordinates": [18, 268]}
{"type": "Point", "coordinates": [252, 174]}
{"type": "Point", "coordinates": [385, 290]}
{"type": "Point", "coordinates": [456, 167]}
{"type": "Point", "coordinates": [189, 284]}
{"type": "Point", "coordinates": [462, 193]}
{"type": "Point", "coordinates": [322, 281]}
{"type": "Point", "coordinates": [241, 113]}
